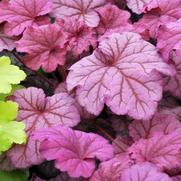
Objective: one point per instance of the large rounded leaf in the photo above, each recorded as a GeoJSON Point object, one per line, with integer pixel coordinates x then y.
{"type": "Point", "coordinates": [120, 74]}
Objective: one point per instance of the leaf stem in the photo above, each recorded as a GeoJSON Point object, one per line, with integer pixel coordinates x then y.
{"type": "Point", "coordinates": [105, 133]}
{"type": "Point", "coordinates": [62, 72]}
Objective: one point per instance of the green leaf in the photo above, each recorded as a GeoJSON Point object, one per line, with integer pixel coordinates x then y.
{"type": "Point", "coordinates": [16, 175]}
{"type": "Point", "coordinates": [8, 111]}
{"type": "Point", "coordinates": [14, 88]}
{"type": "Point", "coordinates": [9, 74]}
{"type": "Point", "coordinates": [10, 131]}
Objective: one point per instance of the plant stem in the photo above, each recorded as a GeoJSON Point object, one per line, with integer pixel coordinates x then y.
{"type": "Point", "coordinates": [62, 72]}
{"type": "Point", "coordinates": [105, 133]}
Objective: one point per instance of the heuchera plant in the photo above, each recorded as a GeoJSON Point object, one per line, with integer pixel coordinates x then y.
{"type": "Point", "coordinates": [101, 99]}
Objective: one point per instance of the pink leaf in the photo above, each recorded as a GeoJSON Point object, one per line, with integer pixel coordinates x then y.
{"type": "Point", "coordinates": [6, 42]}
{"type": "Point", "coordinates": [118, 74]}
{"type": "Point", "coordinates": [164, 11]}
{"type": "Point", "coordinates": [137, 6]}
{"type": "Point", "coordinates": [23, 156]}
{"type": "Point", "coordinates": [62, 88]}
{"type": "Point", "coordinates": [173, 83]}
{"type": "Point", "coordinates": [176, 178]}
{"type": "Point", "coordinates": [161, 150]}
{"type": "Point", "coordinates": [38, 111]}
{"type": "Point", "coordinates": [20, 14]}
{"type": "Point", "coordinates": [111, 170]}
{"type": "Point", "coordinates": [159, 123]}
{"type": "Point", "coordinates": [144, 172]}
{"type": "Point", "coordinates": [112, 18]}
{"type": "Point", "coordinates": [169, 38]}
{"type": "Point", "coordinates": [45, 47]}
{"type": "Point", "coordinates": [80, 36]}
{"type": "Point", "coordinates": [83, 10]}
{"type": "Point", "coordinates": [174, 111]}
{"type": "Point", "coordinates": [74, 151]}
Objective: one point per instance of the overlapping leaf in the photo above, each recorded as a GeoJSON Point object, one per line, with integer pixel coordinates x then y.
{"type": "Point", "coordinates": [121, 76]}
{"type": "Point", "coordinates": [10, 131]}
{"type": "Point", "coordinates": [20, 14]}
{"type": "Point", "coordinates": [169, 38]}
{"type": "Point", "coordinates": [113, 19]}
{"type": "Point", "coordinates": [160, 123]}
{"type": "Point", "coordinates": [161, 150]}
{"type": "Point", "coordinates": [111, 170]}
{"type": "Point", "coordinates": [9, 74]}
{"type": "Point", "coordinates": [44, 47]}
{"type": "Point", "coordinates": [137, 6]}
{"type": "Point", "coordinates": [144, 172]}
{"type": "Point", "coordinates": [80, 36]}
{"type": "Point", "coordinates": [173, 83]}
{"type": "Point", "coordinates": [62, 88]}
{"type": "Point", "coordinates": [38, 111]}
{"type": "Point", "coordinates": [73, 151]}
{"type": "Point", "coordinates": [160, 12]}
{"type": "Point", "coordinates": [6, 42]}
{"type": "Point", "coordinates": [84, 10]}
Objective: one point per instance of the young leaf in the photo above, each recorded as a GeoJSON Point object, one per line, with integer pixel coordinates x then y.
{"type": "Point", "coordinates": [169, 38]}
{"type": "Point", "coordinates": [111, 170]}
{"type": "Point", "coordinates": [112, 19]}
{"type": "Point", "coordinates": [38, 111]}
{"type": "Point", "coordinates": [73, 151]}
{"type": "Point", "coordinates": [80, 36]}
{"type": "Point", "coordinates": [83, 10]}
{"type": "Point", "coordinates": [6, 42]}
{"type": "Point", "coordinates": [9, 74]}
{"type": "Point", "coordinates": [45, 47]}
{"type": "Point", "coordinates": [10, 131]}
{"type": "Point", "coordinates": [173, 83]}
{"type": "Point", "coordinates": [20, 14]}
{"type": "Point", "coordinates": [164, 12]}
{"type": "Point", "coordinates": [144, 172]}
{"type": "Point", "coordinates": [161, 150]}
{"type": "Point", "coordinates": [160, 123]}
{"type": "Point", "coordinates": [14, 175]}
{"type": "Point", "coordinates": [120, 74]}
{"type": "Point", "coordinates": [137, 6]}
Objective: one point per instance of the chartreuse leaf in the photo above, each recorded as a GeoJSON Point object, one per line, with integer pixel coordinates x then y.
{"type": "Point", "coordinates": [16, 175]}
{"type": "Point", "coordinates": [9, 74]}
{"type": "Point", "coordinates": [14, 88]}
{"type": "Point", "coordinates": [10, 131]}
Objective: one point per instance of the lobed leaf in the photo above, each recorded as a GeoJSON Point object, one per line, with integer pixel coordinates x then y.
{"type": "Point", "coordinates": [73, 151]}
{"type": "Point", "coordinates": [9, 74]}
{"type": "Point", "coordinates": [120, 74]}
